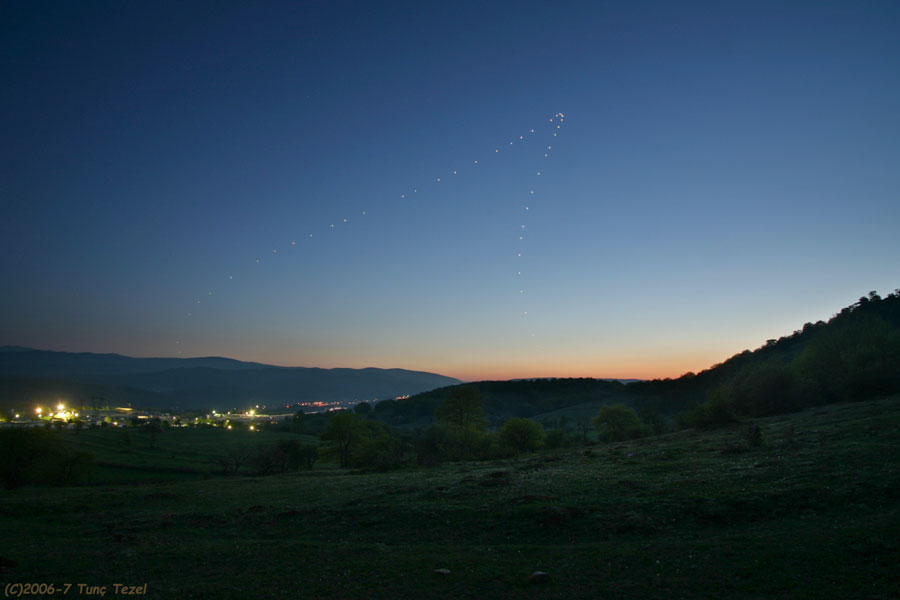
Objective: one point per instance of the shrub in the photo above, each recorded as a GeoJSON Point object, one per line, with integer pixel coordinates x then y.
{"type": "Point", "coordinates": [284, 456]}
{"type": "Point", "coordinates": [762, 390]}
{"type": "Point", "coordinates": [653, 420]}
{"type": "Point", "coordinates": [556, 438]}
{"type": "Point", "coordinates": [381, 451]}
{"type": "Point", "coordinates": [752, 435]}
{"type": "Point", "coordinates": [360, 442]}
{"type": "Point", "coordinates": [296, 455]}
{"type": "Point", "coordinates": [715, 412]}
{"type": "Point", "coordinates": [718, 412]}
{"type": "Point", "coordinates": [521, 435]}
{"type": "Point", "coordinates": [430, 446]}
{"type": "Point", "coordinates": [617, 422]}
{"type": "Point", "coordinates": [233, 458]}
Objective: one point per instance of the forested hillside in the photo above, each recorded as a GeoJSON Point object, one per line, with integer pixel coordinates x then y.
{"type": "Point", "coordinates": [853, 356]}
{"type": "Point", "coordinates": [504, 399]}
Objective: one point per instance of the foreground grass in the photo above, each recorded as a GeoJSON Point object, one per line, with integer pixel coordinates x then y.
{"type": "Point", "coordinates": [813, 513]}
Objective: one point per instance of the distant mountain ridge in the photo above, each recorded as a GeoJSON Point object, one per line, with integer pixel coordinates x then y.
{"type": "Point", "coordinates": [199, 382]}
{"type": "Point", "coordinates": [27, 362]}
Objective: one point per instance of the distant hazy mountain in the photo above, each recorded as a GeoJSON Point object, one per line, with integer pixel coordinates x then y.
{"type": "Point", "coordinates": [26, 362]}
{"type": "Point", "coordinates": [211, 382]}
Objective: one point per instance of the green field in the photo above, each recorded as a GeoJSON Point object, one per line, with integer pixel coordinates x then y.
{"type": "Point", "coordinates": [813, 513]}
{"type": "Point", "coordinates": [128, 454]}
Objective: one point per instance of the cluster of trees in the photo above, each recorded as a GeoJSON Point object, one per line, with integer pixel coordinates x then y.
{"type": "Point", "coordinates": [854, 356]}
{"type": "Point", "coordinates": [502, 399]}
{"type": "Point", "coordinates": [268, 459]}
{"type": "Point", "coordinates": [360, 442]}
{"type": "Point", "coordinates": [460, 431]}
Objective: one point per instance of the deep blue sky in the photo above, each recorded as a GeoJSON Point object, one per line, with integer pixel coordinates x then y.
{"type": "Point", "coordinates": [725, 172]}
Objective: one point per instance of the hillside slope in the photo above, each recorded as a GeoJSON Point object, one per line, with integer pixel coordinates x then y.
{"type": "Point", "coordinates": [854, 356]}
{"type": "Point", "coordinates": [812, 513]}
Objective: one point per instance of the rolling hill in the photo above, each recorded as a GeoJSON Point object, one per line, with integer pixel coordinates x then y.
{"type": "Point", "coordinates": [194, 382]}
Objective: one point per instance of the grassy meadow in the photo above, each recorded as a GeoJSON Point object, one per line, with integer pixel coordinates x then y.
{"type": "Point", "coordinates": [179, 453]}
{"type": "Point", "coordinates": [812, 512]}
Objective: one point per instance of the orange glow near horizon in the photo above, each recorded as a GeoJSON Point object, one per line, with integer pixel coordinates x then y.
{"type": "Point", "coordinates": [643, 357]}
{"type": "Point", "coordinates": [625, 369]}
{"type": "Point", "coordinates": [633, 365]}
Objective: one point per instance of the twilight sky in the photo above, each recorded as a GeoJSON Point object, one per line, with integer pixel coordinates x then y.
{"type": "Point", "coordinates": [724, 173]}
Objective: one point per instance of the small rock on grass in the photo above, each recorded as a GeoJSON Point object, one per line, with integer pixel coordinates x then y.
{"type": "Point", "coordinates": [444, 572]}
{"type": "Point", "coordinates": [539, 577]}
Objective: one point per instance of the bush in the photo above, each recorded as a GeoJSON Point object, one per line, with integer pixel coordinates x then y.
{"type": "Point", "coordinates": [360, 442]}
{"type": "Point", "coordinates": [653, 420]}
{"type": "Point", "coordinates": [276, 458]}
{"type": "Point", "coordinates": [381, 451]}
{"type": "Point", "coordinates": [470, 444]}
{"type": "Point", "coordinates": [233, 458]}
{"type": "Point", "coordinates": [715, 412]}
{"type": "Point", "coordinates": [752, 435]}
{"type": "Point", "coordinates": [296, 455]}
{"type": "Point", "coordinates": [557, 438]}
{"type": "Point", "coordinates": [521, 435]}
{"type": "Point", "coordinates": [762, 390]}
{"type": "Point", "coordinates": [617, 422]}
{"type": "Point", "coordinates": [430, 446]}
